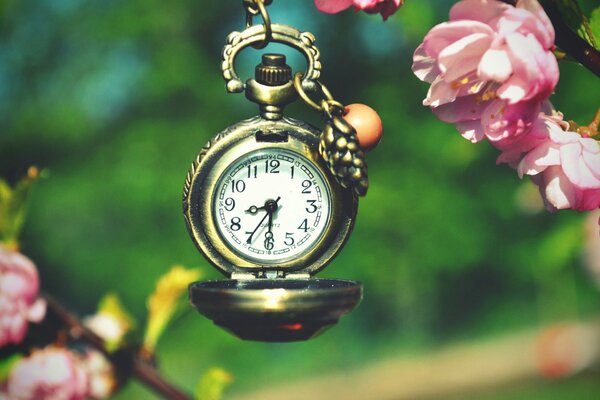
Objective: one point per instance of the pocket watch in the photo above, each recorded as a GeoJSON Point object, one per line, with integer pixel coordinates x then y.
{"type": "Point", "coordinates": [271, 200]}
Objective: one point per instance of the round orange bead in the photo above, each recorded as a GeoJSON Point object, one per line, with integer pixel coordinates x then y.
{"type": "Point", "coordinates": [367, 123]}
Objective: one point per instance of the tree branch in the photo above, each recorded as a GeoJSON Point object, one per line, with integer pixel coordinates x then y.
{"type": "Point", "coordinates": [570, 41]}
{"type": "Point", "coordinates": [138, 367]}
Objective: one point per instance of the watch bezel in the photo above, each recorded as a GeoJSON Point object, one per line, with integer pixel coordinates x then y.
{"type": "Point", "coordinates": [230, 145]}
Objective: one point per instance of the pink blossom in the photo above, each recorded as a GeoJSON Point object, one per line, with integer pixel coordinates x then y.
{"type": "Point", "coordinates": [100, 374]}
{"type": "Point", "coordinates": [565, 166]}
{"type": "Point", "coordinates": [491, 68]}
{"type": "Point", "coordinates": [19, 285]}
{"type": "Point", "coordinates": [48, 374]}
{"type": "Point", "coordinates": [384, 7]}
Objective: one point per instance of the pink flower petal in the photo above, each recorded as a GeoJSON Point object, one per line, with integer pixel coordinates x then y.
{"type": "Point", "coordinates": [575, 167]}
{"type": "Point", "coordinates": [591, 155]}
{"type": "Point", "coordinates": [494, 65]}
{"type": "Point", "coordinates": [37, 311]}
{"type": "Point", "coordinates": [543, 27]}
{"type": "Point", "coordinates": [591, 146]}
{"type": "Point", "coordinates": [477, 10]}
{"type": "Point", "coordinates": [463, 56]}
{"type": "Point", "coordinates": [446, 33]}
{"type": "Point", "coordinates": [471, 130]}
{"type": "Point", "coordinates": [590, 200]}
{"type": "Point", "coordinates": [424, 67]}
{"type": "Point", "coordinates": [384, 7]}
{"type": "Point", "coordinates": [504, 122]}
{"type": "Point", "coordinates": [333, 6]}
{"type": "Point", "coordinates": [440, 92]}
{"type": "Point", "coordinates": [538, 159]}
{"type": "Point", "coordinates": [559, 191]}
{"type": "Point", "coordinates": [19, 285]}
{"type": "Point", "coordinates": [51, 373]}
{"type": "Point", "coordinates": [464, 108]}
{"type": "Point", "coordinates": [514, 90]}
{"type": "Point", "coordinates": [513, 152]}
{"type": "Point", "coordinates": [535, 69]}
{"type": "Point", "coordinates": [557, 135]}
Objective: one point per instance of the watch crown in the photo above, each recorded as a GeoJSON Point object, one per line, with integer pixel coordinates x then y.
{"type": "Point", "coordinates": [273, 71]}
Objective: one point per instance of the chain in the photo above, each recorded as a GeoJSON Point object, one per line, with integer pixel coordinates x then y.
{"type": "Point", "coordinates": [328, 105]}
{"type": "Point", "coordinates": [255, 7]}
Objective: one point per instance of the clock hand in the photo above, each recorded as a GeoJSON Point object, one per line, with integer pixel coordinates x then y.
{"type": "Point", "coordinates": [271, 210]}
{"type": "Point", "coordinates": [253, 209]}
{"type": "Point", "coordinates": [269, 241]}
{"type": "Point", "coordinates": [270, 207]}
{"type": "Point", "coordinates": [255, 229]}
{"type": "Point", "coordinates": [270, 223]}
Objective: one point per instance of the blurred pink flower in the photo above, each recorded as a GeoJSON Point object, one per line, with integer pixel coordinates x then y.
{"type": "Point", "coordinates": [566, 349]}
{"type": "Point", "coordinates": [491, 68]}
{"type": "Point", "coordinates": [100, 374]}
{"type": "Point", "coordinates": [19, 285]}
{"type": "Point", "coordinates": [565, 165]}
{"type": "Point", "coordinates": [48, 374]}
{"type": "Point", "coordinates": [384, 7]}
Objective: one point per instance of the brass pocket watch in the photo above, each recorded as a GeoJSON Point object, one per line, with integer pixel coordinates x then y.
{"type": "Point", "coordinates": [270, 201]}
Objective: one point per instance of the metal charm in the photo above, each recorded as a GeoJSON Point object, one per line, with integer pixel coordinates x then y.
{"type": "Point", "coordinates": [301, 41]}
{"type": "Point", "coordinates": [339, 147]}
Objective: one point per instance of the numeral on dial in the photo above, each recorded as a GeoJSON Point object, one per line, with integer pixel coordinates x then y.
{"type": "Point", "coordinates": [269, 241]}
{"type": "Point", "coordinates": [229, 204]}
{"type": "Point", "coordinates": [272, 167]}
{"type": "Point", "coordinates": [304, 225]}
{"type": "Point", "coordinates": [289, 239]}
{"type": "Point", "coordinates": [311, 208]}
{"type": "Point", "coordinates": [306, 184]}
{"type": "Point", "coordinates": [238, 186]}
{"type": "Point", "coordinates": [235, 224]}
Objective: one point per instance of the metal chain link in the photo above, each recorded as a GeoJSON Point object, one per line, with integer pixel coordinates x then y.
{"type": "Point", "coordinates": [328, 105]}
{"type": "Point", "coordinates": [255, 7]}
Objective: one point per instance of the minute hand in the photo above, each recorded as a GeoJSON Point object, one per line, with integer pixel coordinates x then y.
{"type": "Point", "coordinates": [249, 241]}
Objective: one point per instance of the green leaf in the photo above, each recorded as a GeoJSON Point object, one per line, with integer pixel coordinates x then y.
{"type": "Point", "coordinates": [165, 302]}
{"type": "Point", "coordinates": [595, 24]}
{"type": "Point", "coordinates": [212, 384]}
{"type": "Point", "coordinates": [576, 20]}
{"type": "Point", "coordinates": [13, 207]}
{"type": "Point", "coordinates": [6, 365]}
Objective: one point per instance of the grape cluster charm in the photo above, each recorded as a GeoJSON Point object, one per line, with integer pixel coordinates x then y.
{"type": "Point", "coordinates": [339, 147]}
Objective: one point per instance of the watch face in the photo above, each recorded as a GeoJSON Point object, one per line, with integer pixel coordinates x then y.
{"type": "Point", "coordinates": [271, 206]}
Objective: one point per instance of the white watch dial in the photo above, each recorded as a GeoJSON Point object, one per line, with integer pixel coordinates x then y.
{"type": "Point", "coordinates": [271, 205]}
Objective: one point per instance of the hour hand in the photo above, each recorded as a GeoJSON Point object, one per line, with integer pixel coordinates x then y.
{"type": "Point", "coordinates": [253, 209]}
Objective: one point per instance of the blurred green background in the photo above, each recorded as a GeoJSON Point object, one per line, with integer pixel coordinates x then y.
{"type": "Point", "coordinates": [115, 99]}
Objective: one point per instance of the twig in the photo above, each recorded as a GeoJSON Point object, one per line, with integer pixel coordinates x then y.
{"type": "Point", "coordinates": [570, 42]}
{"type": "Point", "coordinates": [588, 130]}
{"type": "Point", "coordinates": [140, 368]}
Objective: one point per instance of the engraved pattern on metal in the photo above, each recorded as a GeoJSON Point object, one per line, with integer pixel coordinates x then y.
{"type": "Point", "coordinates": [302, 41]}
